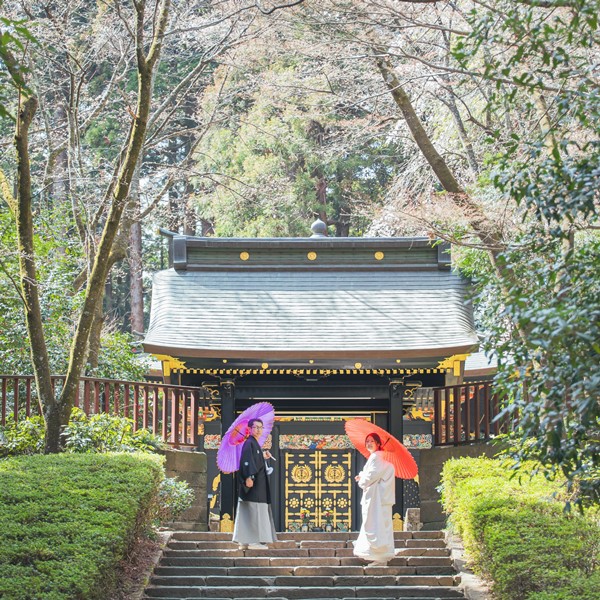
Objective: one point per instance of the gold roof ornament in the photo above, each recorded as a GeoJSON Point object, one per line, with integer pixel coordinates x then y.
{"type": "Point", "coordinates": [169, 363]}
{"type": "Point", "coordinates": [453, 362]}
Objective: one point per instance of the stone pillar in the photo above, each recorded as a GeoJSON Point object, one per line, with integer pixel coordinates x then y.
{"type": "Point", "coordinates": [190, 467]}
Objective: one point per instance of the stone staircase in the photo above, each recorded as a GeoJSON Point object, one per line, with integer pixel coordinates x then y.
{"type": "Point", "coordinates": [302, 566]}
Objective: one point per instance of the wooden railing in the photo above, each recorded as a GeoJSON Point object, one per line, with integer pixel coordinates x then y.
{"type": "Point", "coordinates": [466, 413]}
{"type": "Point", "coordinates": [172, 412]}
{"type": "Point", "coordinates": [462, 414]}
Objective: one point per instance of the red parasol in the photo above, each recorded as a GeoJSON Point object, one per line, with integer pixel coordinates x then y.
{"type": "Point", "coordinates": [394, 452]}
{"type": "Point", "coordinates": [230, 450]}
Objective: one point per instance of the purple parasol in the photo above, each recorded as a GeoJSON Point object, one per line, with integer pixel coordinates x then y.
{"type": "Point", "coordinates": [230, 450]}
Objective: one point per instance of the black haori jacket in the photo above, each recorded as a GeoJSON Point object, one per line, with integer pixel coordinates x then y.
{"type": "Point", "coordinates": [252, 464]}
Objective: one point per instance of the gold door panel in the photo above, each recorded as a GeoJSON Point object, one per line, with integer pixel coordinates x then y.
{"type": "Point", "coordinates": [318, 482]}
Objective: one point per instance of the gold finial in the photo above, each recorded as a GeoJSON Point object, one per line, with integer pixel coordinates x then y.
{"type": "Point", "coordinates": [226, 524]}
{"type": "Point", "coordinates": [398, 522]}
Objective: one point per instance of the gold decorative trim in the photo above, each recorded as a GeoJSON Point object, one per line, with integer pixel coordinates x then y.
{"type": "Point", "coordinates": [311, 255]}
{"type": "Point", "coordinates": [379, 255]}
{"type": "Point", "coordinates": [244, 255]}
{"type": "Point", "coordinates": [323, 372]}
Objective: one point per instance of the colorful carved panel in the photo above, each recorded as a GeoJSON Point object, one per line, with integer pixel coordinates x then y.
{"type": "Point", "coordinates": [314, 442]}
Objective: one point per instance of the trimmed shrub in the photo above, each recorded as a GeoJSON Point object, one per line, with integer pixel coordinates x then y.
{"type": "Point", "coordinates": [517, 533]}
{"type": "Point", "coordinates": [67, 520]}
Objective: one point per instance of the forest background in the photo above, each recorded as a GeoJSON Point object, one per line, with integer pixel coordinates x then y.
{"type": "Point", "coordinates": [474, 122]}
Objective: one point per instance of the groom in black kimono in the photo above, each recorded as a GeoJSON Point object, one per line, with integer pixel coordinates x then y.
{"type": "Point", "coordinates": [254, 520]}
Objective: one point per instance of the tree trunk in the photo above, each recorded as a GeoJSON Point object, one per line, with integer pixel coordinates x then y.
{"type": "Point", "coordinates": [28, 277]}
{"type": "Point", "coordinates": [147, 64]}
{"type": "Point", "coordinates": [135, 278]}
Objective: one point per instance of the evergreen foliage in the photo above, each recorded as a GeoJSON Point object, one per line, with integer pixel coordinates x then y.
{"type": "Point", "coordinates": [100, 433]}
{"type": "Point", "coordinates": [66, 521]}
{"type": "Point", "coordinates": [517, 534]}
{"type": "Point", "coordinates": [544, 320]}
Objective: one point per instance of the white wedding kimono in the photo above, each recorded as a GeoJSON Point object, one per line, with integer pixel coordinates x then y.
{"type": "Point", "coordinates": [376, 538]}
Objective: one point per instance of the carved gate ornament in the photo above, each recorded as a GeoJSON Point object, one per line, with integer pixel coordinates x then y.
{"type": "Point", "coordinates": [301, 473]}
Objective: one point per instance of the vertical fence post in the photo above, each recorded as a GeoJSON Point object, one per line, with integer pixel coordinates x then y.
{"type": "Point", "coordinates": [116, 398]}
{"type": "Point", "coordinates": [16, 398]}
{"type": "Point", "coordinates": [145, 412]}
{"type": "Point", "coordinates": [155, 415]}
{"type": "Point", "coordinates": [448, 413]}
{"type": "Point", "coordinates": [96, 397]}
{"type": "Point", "coordinates": [136, 400]}
{"type": "Point", "coordinates": [477, 409]}
{"type": "Point", "coordinates": [468, 415]}
{"type": "Point", "coordinates": [495, 413]}
{"type": "Point", "coordinates": [86, 397]}
{"type": "Point", "coordinates": [3, 401]}
{"type": "Point", "coordinates": [28, 397]}
{"type": "Point", "coordinates": [126, 400]}
{"type": "Point", "coordinates": [175, 418]}
{"type": "Point", "coordinates": [165, 415]}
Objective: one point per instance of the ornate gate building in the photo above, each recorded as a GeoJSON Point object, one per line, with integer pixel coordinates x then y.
{"type": "Point", "coordinates": [325, 329]}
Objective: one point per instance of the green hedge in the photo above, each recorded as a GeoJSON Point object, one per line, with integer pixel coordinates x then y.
{"type": "Point", "coordinates": [67, 520]}
{"type": "Point", "coordinates": [518, 535]}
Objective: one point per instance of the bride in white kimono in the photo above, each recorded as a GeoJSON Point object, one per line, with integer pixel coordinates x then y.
{"type": "Point", "coordinates": [375, 541]}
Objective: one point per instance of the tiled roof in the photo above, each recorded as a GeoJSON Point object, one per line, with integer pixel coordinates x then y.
{"type": "Point", "coordinates": [306, 313]}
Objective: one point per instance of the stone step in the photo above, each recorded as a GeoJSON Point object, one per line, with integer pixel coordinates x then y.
{"type": "Point", "coordinates": [310, 535]}
{"type": "Point", "coordinates": [308, 593]}
{"type": "Point", "coordinates": [272, 552]}
{"type": "Point", "coordinates": [226, 545]}
{"type": "Point", "coordinates": [303, 544]}
{"type": "Point", "coordinates": [302, 566]}
{"type": "Point", "coordinates": [203, 571]}
{"type": "Point", "coordinates": [310, 557]}
{"type": "Point", "coordinates": [265, 580]}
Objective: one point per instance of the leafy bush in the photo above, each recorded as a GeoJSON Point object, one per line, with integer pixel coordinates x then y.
{"type": "Point", "coordinates": [107, 433]}
{"type": "Point", "coordinates": [517, 533]}
{"type": "Point", "coordinates": [22, 437]}
{"type": "Point", "coordinates": [67, 520]}
{"type": "Point", "coordinates": [174, 498]}
{"type": "Point", "coordinates": [97, 433]}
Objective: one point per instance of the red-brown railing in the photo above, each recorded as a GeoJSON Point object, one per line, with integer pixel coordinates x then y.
{"type": "Point", "coordinates": [462, 414]}
{"type": "Point", "coordinates": [466, 413]}
{"type": "Point", "coordinates": [173, 412]}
